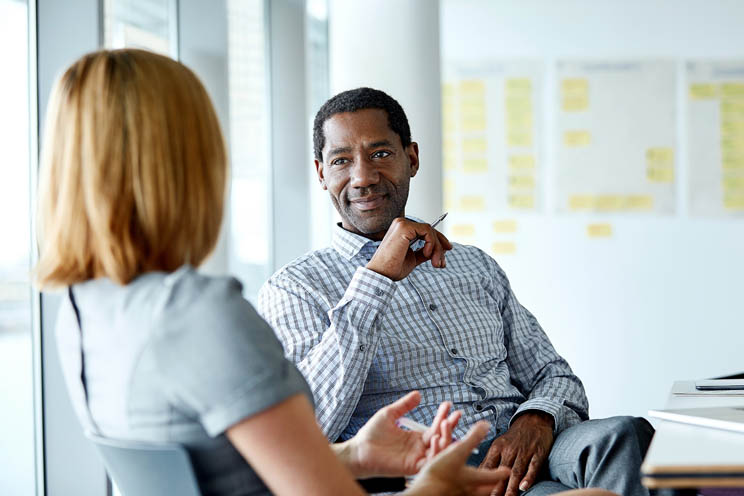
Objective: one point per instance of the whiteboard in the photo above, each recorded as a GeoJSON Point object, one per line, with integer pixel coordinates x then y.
{"type": "Point", "coordinates": [633, 302]}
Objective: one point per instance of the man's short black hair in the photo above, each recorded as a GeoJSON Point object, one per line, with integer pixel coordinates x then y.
{"type": "Point", "coordinates": [360, 99]}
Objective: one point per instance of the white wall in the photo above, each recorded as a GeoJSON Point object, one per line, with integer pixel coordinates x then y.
{"type": "Point", "coordinates": [660, 300]}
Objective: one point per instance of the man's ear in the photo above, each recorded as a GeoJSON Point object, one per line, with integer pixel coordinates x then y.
{"type": "Point", "coordinates": [319, 171]}
{"type": "Point", "coordinates": [412, 151]}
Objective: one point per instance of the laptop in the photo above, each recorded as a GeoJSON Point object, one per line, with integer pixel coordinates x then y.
{"type": "Point", "coordinates": [726, 418]}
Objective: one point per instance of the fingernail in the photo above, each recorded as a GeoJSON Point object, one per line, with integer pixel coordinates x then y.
{"type": "Point", "coordinates": [523, 486]}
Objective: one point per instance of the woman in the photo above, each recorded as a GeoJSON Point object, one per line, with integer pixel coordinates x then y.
{"type": "Point", "coordinates": [132, 189]}
{"type": "Point", "coordinates": [131, 195]}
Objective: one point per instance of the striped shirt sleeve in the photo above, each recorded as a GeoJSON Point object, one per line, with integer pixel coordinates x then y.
{"type": "Point", "coordinates": [333, 350]}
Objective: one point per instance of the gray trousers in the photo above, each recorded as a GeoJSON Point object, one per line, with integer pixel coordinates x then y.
{"type": "Point", "coordinates": [604, 453]}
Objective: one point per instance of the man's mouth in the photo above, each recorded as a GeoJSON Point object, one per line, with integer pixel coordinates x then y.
{"type": "Point", "coordinates": [370, 202]}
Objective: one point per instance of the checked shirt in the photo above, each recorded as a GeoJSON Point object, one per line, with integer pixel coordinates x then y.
{"type": "Point", "coordinates": [459, 334]}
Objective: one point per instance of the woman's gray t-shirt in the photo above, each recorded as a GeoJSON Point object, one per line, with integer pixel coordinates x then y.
{"type": "Point", "coordinates": [176, 357]}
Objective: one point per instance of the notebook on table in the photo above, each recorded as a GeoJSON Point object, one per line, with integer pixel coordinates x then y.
{"type": "Point", "coordinates": [727, 418]}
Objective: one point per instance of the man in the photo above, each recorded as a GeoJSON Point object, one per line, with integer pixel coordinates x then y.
{"type": "Point", "coordinates": [393, 306]}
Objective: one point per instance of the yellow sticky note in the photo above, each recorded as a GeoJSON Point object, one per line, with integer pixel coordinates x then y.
{"type": "Point", "coordinates": [472, 203]}
{"type": "Point", "coordinates": [732, 129]}
{"type": "Point", "coordinates": [448, 117]}
{"type": "Point", "coordinates": [574, 95]}
{"type": "Point", "coordinates": [581, 202]}
{"type": "Point", "coordinates": [463, 230]}
{"type": "Point", "coordinates": [606, 203]}
{"type": "Point", "coordinates": [521, 202]}
{"type": "Point", "coordinates": [599, 230]}
{"type": "Point", "coordinates": [449, 159]}
{"type": "Point", "coordinates": [448, 190]}
{"type": "Point", "coordinates": [518, 85]}
{"type": "Point", "coordinates": [660, 165]}
{"type": "Point", "coordinates": [577, 138]}
{"type": "Point", "coordinates": [639, 202]}
{"type": "Point", "coordinates": [519, 162]}
{"type": "Point", "coordinates": [470, 87]}
{"type": "Point", "coordinates": [732, 146]}
{"type": "Point", "coordinates": [473, 123]}
{"type": "Point", "coordinates": [732, 90]}
{"type": "Point", "coordinates": [474, 145]}
{"type": "Point", "coordinates": [448, 91]}
{"type": "Point", "coordinates": [733, 183]}
{"type": "Point", "coordinates": [733, 201]}
{"type": "Point", "coordinates": [518, 105]}
{"type": "Point", "coordinates": [703, 91]}
{"type": "Point", "coordinates": [503, 248]}
{"type": "Point", "coordinates": [660, 155]}
{"type": "Point", "coordinates": [504, 226]}
{"type": "Point", "coordinates": [732, 161]}
{"type": "Point", "coordinates": [475, 165]}
{"type": "Point", "coordinates": [660, 174]}
{"type": "Point", "coordinates": [575, 104]}
{"type": "Point", "coordinates": [574, 85]}
{"type": "Point", "coordinates": [521, 181]}
{"type": "Point", "coordinates": [518, 119]}
{"type": "Point", "coordinates": [519, 138]}
{"type": "Point", "coordinates": [732, 110]}
{"type": "Point", "coordinates": [473, 107]}
{"type": "Point", "coordinates": [449, 125]}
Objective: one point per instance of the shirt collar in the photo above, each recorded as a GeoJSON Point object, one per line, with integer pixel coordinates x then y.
{"type": "Point", "coordinates": [349, 244]}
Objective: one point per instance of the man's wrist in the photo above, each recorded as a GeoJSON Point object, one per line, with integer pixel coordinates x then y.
{"type": "Point", "coordinates": [535, 418]}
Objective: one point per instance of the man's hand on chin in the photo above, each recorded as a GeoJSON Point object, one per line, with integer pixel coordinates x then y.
{"type": "Point", "coordinates": [523, 448]}
{"type": "Point", "coordinates": [395, 259]}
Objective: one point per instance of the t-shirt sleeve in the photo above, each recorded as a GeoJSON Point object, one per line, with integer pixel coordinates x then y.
{"type": "Point", "coordinates": [217, 357]}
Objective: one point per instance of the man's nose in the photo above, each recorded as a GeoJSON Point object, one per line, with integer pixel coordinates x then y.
{"type": "Point", "coordinates": [364, 174]}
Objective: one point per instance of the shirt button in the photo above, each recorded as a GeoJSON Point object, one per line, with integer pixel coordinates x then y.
{"type": "Point", "coordinates": [378, 292]}
{"type": "Point", "coordinates": [362, 348]}
{"type": "Point", "coordinates": [478, 407]}
{"type": "Point", "coordinates": [454, 351]}
{"type": "Point", "coordinates": [432, 307]}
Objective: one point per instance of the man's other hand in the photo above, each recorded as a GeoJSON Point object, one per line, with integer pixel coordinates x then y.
{"type": "Point", "coordinates": [395, 259]}
{"type": "Point", "coordinates": [523, 448]}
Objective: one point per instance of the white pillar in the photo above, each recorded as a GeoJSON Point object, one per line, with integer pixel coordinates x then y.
{"type": "Point", "coordinates": [393, 45]}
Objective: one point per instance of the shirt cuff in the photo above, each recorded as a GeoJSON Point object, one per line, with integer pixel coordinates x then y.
{"type": "Point", "coordinates": [550, 407]}
{"type": "Point", "coordinates": [371, 288]}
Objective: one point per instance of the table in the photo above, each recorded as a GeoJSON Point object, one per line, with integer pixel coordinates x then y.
{"type": "Point", "coordinates": [683, 458]}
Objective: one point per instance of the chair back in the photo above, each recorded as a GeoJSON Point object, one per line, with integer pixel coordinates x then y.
{"type": "Point", "coordinates": [147, 469]}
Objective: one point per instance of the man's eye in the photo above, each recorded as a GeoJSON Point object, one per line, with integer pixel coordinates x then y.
{"type": "Point", "coordinates": [381, 154]}
{"type": "Point", "coordinates": [339, 161]}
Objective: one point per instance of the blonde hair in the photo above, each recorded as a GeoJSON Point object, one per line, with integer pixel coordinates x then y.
{"type": "Point", "coordinates": [134, 170]}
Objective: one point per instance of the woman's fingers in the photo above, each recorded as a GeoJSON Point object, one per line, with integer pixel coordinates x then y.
{"type": "Point", "coordinates": [440, 417]}
{"type": "Point", "coordinates": [404, 405]}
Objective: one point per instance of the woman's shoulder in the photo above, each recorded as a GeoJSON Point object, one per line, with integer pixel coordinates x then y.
{"type": "Point", "coordinates": [187, 288]}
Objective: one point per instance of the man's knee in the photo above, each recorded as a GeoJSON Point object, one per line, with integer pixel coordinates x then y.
{"type": "Point", "coordinates": [624, 429]}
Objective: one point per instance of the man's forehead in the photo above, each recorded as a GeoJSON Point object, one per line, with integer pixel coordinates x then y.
{"type": "Point", "coordinates": [363, 127]}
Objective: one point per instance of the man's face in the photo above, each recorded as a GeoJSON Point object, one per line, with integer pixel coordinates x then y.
{"type": "Point", "coordinates": [366, 170]}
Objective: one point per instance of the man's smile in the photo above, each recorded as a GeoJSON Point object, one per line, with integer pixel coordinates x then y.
{"type": "Point", "coordinates": [370, 202]}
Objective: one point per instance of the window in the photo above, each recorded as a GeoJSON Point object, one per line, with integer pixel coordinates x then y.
{"type": "Point", "coordinates": [148, 24]}
{"type": "Point", "coordinates": [323, 214]}
{"type": "Point", "coordinates": [249, 212]}
{"type": "Point", "coordinates": [17, 475]}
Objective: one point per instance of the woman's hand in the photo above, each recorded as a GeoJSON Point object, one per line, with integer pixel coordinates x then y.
{"type": "Point", "coordinates": [447, 473]}
{"type": "Point", "coordinates": [382, 449]}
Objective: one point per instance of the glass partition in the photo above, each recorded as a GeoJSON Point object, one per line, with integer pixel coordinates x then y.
{"type": "Point", "coordinates": [17, 475]}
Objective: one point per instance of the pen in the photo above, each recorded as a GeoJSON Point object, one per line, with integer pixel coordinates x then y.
{"type": "Point", "coordinates": [411, 424]}
{"type": "Point", "coordinates": [433, 225]}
